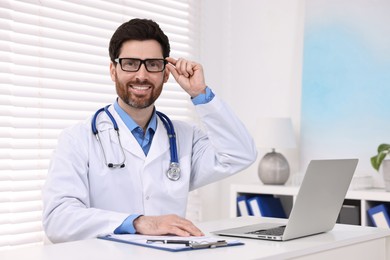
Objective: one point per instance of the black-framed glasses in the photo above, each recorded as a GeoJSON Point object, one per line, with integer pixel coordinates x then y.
{"type": "Point", "coordinates": [133, 65]}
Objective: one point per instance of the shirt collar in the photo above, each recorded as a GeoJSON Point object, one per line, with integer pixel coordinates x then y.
{"type": "Point", "coordinates": [131, 124]}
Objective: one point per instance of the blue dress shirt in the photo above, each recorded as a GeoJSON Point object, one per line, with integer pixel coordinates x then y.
{"type": "Point", "coordinates": [145, 141]}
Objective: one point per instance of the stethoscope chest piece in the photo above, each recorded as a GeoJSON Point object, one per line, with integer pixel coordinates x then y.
{"type": "Point", "coordinates": [173, 172]}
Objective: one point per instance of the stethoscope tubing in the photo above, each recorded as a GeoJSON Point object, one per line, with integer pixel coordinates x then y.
{"type": "Point", "coordinates": [173, 172]}
{"type": "Point", "coordinates": [116, 128]}
{"type": "Point", "coordinates": [171, 135]}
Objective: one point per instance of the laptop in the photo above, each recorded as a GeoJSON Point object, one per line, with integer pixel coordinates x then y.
{"type": "Point", "coordinates": [316, 206]}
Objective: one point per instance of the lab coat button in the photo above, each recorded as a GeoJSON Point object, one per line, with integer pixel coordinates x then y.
{"type": "Point", "coordinates": [147, 197]}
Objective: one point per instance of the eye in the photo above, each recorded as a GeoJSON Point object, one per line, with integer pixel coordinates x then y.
{"type": "Point", "coordinates": [128, 62]}
{"type": "Point", "coordinates": [153, 63]}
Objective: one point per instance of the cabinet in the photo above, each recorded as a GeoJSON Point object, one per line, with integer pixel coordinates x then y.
{"type": "Point", "coordinates": [360, 199]}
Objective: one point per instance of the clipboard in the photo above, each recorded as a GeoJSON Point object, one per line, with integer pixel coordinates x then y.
{"type": "Point", "coordinates": [175, 244]}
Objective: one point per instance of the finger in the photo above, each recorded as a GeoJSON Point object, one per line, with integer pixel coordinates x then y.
{"type": "Point", "coordinates": [182, 67]}
{"type": "Point", "coordinates": [190, 68]}
{"type": "Point", "coordinates": [189, 227]}
{"type": "Point", "coordinates": [177, 231]}
{"type": "Point", "coordinates": [173, 71]}
{"type": "Point", "coordinates": [194, 231]}
{"type": "Point", "coordinates": [185, 231]}
{"type": "Point", "coordinates": [171, 60]}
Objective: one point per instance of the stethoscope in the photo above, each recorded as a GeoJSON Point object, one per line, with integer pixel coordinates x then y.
{"type": "Point", "coordinates": [173, 172]}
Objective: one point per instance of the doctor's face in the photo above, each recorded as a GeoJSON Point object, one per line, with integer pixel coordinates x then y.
{"type": "Point", "coordinates": [139, 89]}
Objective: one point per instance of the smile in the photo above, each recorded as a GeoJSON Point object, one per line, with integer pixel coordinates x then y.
{"type": "Point", "coordinates": [140, 87]}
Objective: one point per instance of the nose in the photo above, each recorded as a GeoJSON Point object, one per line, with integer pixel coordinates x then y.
{"type": "Point", "coordinates": [142, 73]}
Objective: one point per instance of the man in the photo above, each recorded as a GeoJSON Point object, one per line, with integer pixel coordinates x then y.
{"type": "Point", "coordinates": [86, 194]}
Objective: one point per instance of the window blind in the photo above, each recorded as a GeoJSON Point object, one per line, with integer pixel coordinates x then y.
{"type": "Point", "coordinates": [54, 72]}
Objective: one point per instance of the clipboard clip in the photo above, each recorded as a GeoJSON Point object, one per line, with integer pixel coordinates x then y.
{"type": "Point", "coordinates": [199, 245]}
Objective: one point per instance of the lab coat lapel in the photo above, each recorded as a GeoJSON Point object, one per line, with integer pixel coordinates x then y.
{"type": "Point", "coordinates": [129, 143]}
{"type": "Point", "coordinates": [160, 143]}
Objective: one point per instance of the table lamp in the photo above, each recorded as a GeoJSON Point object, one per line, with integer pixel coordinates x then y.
{"type": "Point", "coordinates": [274, 133]}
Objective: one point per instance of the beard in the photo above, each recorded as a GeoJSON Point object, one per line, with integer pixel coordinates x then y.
{"type": "Point", "coordinates": [134, 100]}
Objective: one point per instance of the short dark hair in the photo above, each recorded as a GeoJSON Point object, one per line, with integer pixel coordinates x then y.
{"type": "Point", "coordinates": [138, 29]}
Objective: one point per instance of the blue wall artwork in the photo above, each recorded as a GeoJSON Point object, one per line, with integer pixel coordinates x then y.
{"type": "Point", "coordinates": [346, 80]}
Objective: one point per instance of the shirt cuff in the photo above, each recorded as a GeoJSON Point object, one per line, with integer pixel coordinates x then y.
{"type": "Point", "coordinates": [127, 227]}
{"type": "Point", "coordinates": [203, 98]}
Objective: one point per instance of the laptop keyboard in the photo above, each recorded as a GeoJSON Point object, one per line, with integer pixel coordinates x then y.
{"type": "Point", "coordinates": [278, 231]}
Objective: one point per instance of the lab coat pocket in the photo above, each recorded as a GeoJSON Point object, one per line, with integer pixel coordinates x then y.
{"type": "Point", "coordinates": [175, 196]}
{"type": "Point", "coordinates": [177, 189]}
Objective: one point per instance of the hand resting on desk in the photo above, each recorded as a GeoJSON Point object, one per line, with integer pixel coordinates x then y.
{"type": "Point", "coordinates": [166, 225]}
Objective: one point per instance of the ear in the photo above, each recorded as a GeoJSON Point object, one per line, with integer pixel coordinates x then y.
{"type": "Point", "coordinates": [112, 71]}
{"type": "Point", "coordinates": [166, 75]}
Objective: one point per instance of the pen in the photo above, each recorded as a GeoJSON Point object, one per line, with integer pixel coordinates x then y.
{"type": "Point", "coordinates": [165, 241]}
{"type": "Point", "coordinates": [193, 244]}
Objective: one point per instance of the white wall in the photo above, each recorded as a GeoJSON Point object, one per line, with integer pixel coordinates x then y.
{"type": "Point", "coordinates": [252, 54]}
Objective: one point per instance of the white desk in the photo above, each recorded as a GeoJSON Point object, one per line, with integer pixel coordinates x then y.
{"type": "Point", "coordinates": [343, 242]}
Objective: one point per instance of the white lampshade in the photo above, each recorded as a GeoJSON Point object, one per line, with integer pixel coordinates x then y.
{"type": "Point", "coordinates": [275, 132]}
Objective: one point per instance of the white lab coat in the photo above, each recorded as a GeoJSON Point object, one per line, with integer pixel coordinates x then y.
{"type": "Point", "coordinates": [84, 198]}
